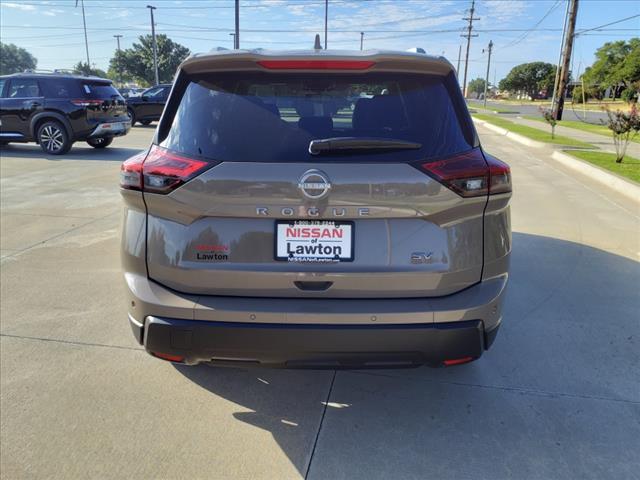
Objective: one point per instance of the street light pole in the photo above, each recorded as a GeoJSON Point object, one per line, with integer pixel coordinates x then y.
{"type": "Point", "coordinates": [236, 37]}
{"type": "Point", "coordinates": [86, 41]}
{"type": "Point", "coordinates": [486, 81]}
{"type": "Point", "coordinates": [326, 19]}
{"type": "Point", "coordinates": [118, 37]}
{"type": "Point", "coordinates": [361, 40]}
{"type": "Point", "coordinates": [155, 46]}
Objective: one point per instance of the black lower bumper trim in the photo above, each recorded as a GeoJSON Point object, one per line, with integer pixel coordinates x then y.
{"type": "Point", "coordinates": [314, 346]}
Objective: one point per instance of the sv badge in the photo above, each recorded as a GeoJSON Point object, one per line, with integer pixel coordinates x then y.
{"type": "Point", "coordinates": [418, 258]}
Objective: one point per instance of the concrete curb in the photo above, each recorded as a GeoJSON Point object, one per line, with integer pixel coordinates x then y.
{"type": "Point", "coordinates": [620, 185]}
{"type": "Point", "coordinates": [514, 136]}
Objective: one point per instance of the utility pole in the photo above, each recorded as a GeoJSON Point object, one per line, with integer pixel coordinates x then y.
{"type": "Point", "coordinates": [361, 40]}
{"type": "Point", "coordinates": [468, 36]}
{"type": "Point", "coordinates": [459, 54]}
{"type": "Point", "coordinates": [233, 36]}
{"type": "Point", "coordinates": [326, 20]}
{"type": "Point", "coordinates": [155, 46]}
{"type": "Point", "coordinates": [559, 66]}
{"type": "Point", "coordinates": [566, 58]}
{"type": "Point", "coordinates": [86, 41]}
{"type": "Point", "coordinates": [236, 37]}
{"type": "Point", "coordinates": [486, 81]}
{"type": "Point", "coordinates": [118, 37]}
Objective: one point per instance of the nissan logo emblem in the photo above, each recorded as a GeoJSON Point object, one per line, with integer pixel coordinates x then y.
{"type": "Point", "coordinates": [314, 184]}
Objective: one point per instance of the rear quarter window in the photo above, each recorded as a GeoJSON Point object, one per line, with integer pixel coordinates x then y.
{"type": "Point", "coordinates": [61, 88]}
{"type": "Point", "coordinates": [263, 117]}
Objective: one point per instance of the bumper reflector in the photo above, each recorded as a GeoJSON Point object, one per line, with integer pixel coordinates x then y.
{"type": "Point", "coordinates": [169, 357]}
{"type": "Point", "coordinates": [457, 361]}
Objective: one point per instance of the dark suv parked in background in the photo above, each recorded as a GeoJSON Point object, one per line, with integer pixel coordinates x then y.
{"type": "Point", "coordinates": [148, 107]}
{"type": "Point", "coordinates": [56, 110]}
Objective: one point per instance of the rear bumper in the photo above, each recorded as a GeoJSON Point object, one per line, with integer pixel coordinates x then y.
{"type": "Point", "coordinates": [111, 129]}
{"type": "Point", "coordinates": [317, 333]}
{"type": "Point", "coordinates": [316, 346]}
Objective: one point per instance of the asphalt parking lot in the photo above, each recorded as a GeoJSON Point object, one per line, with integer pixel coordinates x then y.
{"type": "Point", "coordinates": [558, 396]}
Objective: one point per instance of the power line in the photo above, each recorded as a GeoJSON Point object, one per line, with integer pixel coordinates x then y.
{"type": "Point", "coordinates": [526, 33]}
{"type": "Point", "coordinates": [607, 24]}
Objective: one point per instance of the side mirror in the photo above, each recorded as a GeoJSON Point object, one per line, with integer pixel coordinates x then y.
{"type": "Point", "coordinates": [145, 98]}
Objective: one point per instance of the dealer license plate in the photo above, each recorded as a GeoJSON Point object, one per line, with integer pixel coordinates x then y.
{"type": "Point", "coordinates": [314, 241]}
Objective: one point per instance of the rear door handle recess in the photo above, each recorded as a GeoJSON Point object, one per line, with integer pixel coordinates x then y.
{"type": "Point", "coordinates": [313, 286]}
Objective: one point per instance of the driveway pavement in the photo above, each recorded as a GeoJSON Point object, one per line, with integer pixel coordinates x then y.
{"type": "Point", "coordinates": [558, 396]}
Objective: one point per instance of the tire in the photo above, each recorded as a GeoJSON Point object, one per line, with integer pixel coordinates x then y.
{"type": "Point", "coordinates": [100, 142]}
{"type": "Point", "coordinates": [145, 122]}
{"type": "Point", "coordinates": [53, 138]}
{"type": "Point", "coordinates": [132, 116]}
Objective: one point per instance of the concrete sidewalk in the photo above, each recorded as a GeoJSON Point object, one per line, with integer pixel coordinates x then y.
{"type": "Point", "coordinates": [601, 141]}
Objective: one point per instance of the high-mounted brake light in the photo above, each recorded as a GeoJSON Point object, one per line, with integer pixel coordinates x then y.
{"type": "Point", "coordinates": [471, 174]}
{"type": "Point", "coordinates": [159, 171]}
{"type": "Point", "coordinates": [83, 102]}
{"type": "Point", "coordinates": [316, 64]}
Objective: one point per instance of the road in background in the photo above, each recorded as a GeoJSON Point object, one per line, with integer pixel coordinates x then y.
{"type": "Point", "coordinates": [558, 396]}
{"type": "Point", "coordinates": [571, 111]}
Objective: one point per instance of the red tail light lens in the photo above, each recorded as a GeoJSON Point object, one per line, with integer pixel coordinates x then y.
{"type": "Point", "coordinates": [316, 64]}
{"type": "Point", "coordinates": [499, 175]}
{"type": "Point", "coordinates": [83, 102]}
{"type": "Point", "coordinates": [471, 175]}
{"type": "Point", "coordinates": [131, 172]}
{"type": "Point", "coordinates": [159, 171]}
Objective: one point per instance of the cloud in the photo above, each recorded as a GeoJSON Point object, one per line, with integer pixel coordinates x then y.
{"type": "Point", "coordinates": [18, 6]}
{"type": "Point", "coordinates": [49, 13]}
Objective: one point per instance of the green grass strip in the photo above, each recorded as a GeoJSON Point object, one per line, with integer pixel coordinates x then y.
{"type": "Point", "coordinates": [629, 168]}
{"type": "Point", "coordinates": [532, 133]}
{"type": "Point", "coordinates": [578, 125]}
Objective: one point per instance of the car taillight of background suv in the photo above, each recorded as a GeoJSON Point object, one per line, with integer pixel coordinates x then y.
{"type": "Point", "coordinates": [320, 209]}
{"type": "Point", "coordinates": [56, 110]}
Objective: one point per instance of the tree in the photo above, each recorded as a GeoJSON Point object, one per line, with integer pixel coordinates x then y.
{"type": "Point", "coordinates": [476, 86]}
{"type": "Point", "coordinates": [83, 68]}
{"type": "Point", "coordinates": [624, 127]}
{"type": "Point", "coordinates": [15, 59]}
{"type": "Point", "coordinates": [617, 65]}
{"type": "Point", "coordinates": [530, 78]}
{"type": "Point", "coordinates": [137, 62]}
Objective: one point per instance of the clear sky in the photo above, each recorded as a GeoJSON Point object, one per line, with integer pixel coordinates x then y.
{"type": "Point", "coordinates": [522, 30]}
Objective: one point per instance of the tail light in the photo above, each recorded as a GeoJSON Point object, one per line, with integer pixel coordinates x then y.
{"type": "Point", "coordinates": [471, 174]}
{"type": "Point", "coordinates": [84, 102]}
{"type": "Point", "coordinates": [316, 64]}
{"type": "Point", "coordinates": [159, 171]}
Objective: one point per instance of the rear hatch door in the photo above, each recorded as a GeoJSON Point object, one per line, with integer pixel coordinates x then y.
{"type": "Point", "coordinates": [265, 217]}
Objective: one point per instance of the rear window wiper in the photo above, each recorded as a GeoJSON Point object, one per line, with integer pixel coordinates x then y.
{"type": "Point", "coordinates": [359, 144]}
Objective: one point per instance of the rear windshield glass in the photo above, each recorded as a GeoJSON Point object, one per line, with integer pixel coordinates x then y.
{"type": "Point", "coordinates": [273, 117]}
{"type": "Point", "coordinates": [99, 90]}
